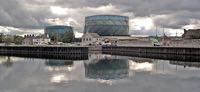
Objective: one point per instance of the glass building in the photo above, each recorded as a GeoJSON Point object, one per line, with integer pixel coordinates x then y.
{"type": "Point", "coordinates": [57, 31]}
{"type": "Point", "coordinates": [107, 25]}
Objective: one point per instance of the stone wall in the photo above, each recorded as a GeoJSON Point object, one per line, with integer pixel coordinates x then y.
{"type": "Point", "coordinates": [186, 43]}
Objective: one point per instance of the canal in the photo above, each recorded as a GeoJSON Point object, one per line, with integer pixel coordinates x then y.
{"type": "Point", "coordinates": [98, 73]}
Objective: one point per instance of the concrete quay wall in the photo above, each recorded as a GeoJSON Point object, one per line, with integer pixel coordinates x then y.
{"type": "Point", "coordinates": [60, 52]}
{"type": "Point", "coordinates": [153, 50]}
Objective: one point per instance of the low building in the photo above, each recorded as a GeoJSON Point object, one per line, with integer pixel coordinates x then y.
{"type": "Point", "coordinates": [191, 34]}
{"type": "Point", "coordinates": [91, 39]}
{"type": "Point", "coordinates": [28, 39]}
{"type": "Point", "coordinates": [41, 40]}
{"type": "Point", "coordinates": [36, 40]}
{"type": "Point", "coordinates": [114, 40]}
{"type": "Point", "coordinates": [127, 40]}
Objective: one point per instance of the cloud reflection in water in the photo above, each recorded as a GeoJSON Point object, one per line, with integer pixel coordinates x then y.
{"type": "Point", "coordinates": [144, 66]}
{"type": "Point", "coordinates": [59, 78]}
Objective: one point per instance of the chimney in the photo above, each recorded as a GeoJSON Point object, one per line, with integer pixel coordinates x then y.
{"type": "Point", "coordinates": [185, 30]}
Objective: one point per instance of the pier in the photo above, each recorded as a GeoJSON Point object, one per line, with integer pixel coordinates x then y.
{"type": "Point", "coordinates": [167, 53]}
{"type": "Point", "coordinates": [60, 52]}
{"type": "Point", "coordinates": [153, 50]}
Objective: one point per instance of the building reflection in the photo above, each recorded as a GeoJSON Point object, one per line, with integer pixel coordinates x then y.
{"type": "Point", "coordinates": [59, 65]}
{"type": "Point", "coordinates": [106, 67]}
{"type": "Point", "coordinates": [60, 70]}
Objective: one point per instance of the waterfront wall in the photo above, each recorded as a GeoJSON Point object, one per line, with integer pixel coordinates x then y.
{"type": "Point", "coordinates": [55, 52]}
{"type": "Point", "coordinates": [167, 53]}
{"type": "Point", "coordinates": [95, 48]}
{"type": "Point", "coordinates": [153, 50]}
{"type": "Point", "coordinates": [186, 43]}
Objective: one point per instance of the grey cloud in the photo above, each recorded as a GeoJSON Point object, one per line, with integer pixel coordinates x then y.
{"type": "Point", "coordinates": [139, 7]}
{"type": "Point", "coordinates": [149, 32]}
{"type": "Point", "coordinates": [178, 19]}
{"type": "Point", "coordinates": [32, 13]}
{"type": "Point", "coordinates": [15, 14]}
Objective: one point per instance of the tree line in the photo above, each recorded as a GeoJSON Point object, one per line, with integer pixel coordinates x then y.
{"type": "Point", "coordinates": [67, 37]}
{"type": "Point", "coordinates": [7, 39]}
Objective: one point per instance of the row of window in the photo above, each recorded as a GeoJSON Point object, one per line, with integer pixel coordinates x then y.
{"type": "Point", "coordinates": [107, 17]}
{"type": "Point", "coordinates": [107, 22]}
{"type": "Point", "coordinates": [36, 39]}
{"type": "Point", "coordinates": [89, 39]}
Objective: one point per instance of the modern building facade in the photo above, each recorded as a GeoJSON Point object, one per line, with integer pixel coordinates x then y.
{"type": "Point", "coordinates": [57, 32]}
{"type": "Point", "coordinates": [107, 25]}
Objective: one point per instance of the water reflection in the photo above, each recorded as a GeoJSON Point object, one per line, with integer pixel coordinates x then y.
{"type": "Point", "coordinates": [6, 61]}
{"type": "Point", "coordinates": [141, 64]}
{"type": "Point", "coordinates": [145, 66]}
{"type": "Point", "coordinates": [59, 69]}
{"type": "Point", "coordinates": [59, 78]}
{"type": "Point", "coordinates": [57, 65]}
{"type": "Point", "coordinates": [111, 67]}
{"type": "Point", "coordinates": [99, 73]}
{"type": "Point", "coordinates": [186, 64]}
{"type": "Point", "coordinates": [106, 68]}
{"type": "Point", "coordinates": [59, 62]}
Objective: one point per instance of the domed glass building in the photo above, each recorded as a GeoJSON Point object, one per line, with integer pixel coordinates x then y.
{"type": "Point", "coordinates": [107, 25]}
{"type": "Point", "coordinates": [57, 31]}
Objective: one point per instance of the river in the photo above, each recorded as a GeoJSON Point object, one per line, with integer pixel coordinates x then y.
{"type": "Point", "coordinates": [98, 73]}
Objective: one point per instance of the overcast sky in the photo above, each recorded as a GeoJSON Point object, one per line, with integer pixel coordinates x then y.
{"type": "Point", "coordinates": [27, 16]}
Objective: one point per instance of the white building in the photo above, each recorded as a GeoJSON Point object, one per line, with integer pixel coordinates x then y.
{"type": "Point", "coordinates": [28, 39]}
{"type": "Point", "coordinates": [36, 40]}
{"type": "Point", "coordinates": [91, 39]}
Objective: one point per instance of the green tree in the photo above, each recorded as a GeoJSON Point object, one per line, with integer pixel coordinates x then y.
{"type": "Point", "coordinates": [18, 40]}
{"type": "Point", "coordinates": [1, 37]}
{"type": "Point", "coordinates": [68, 37]}
{"type": "Point", "coordinates": [8, 39]}
{"type": "Point", "coordinates": [55, 37]}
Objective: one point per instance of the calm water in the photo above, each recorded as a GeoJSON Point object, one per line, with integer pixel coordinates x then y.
{"type": "Point", "coordinates": [100, 73]}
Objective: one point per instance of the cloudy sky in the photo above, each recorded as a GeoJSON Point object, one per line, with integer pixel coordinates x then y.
{"type": "Point", "coordinates": [31, 16]}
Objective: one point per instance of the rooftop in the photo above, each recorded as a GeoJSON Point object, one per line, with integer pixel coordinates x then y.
{"type": "Point", "coordinates": [94, 35]}
{"type": "Point", "coordinates": [96, 17]}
